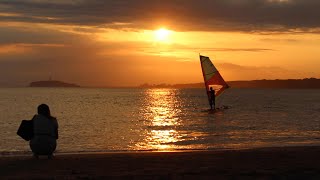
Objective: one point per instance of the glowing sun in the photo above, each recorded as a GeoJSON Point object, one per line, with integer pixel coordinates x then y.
{"type": "Point", "coordinates": [162, 35]}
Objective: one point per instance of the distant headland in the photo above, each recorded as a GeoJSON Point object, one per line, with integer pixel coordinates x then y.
{"type": "Point", "coordinates": [307, 83]}
{"type": "Point", "coordinates": [51, 83]}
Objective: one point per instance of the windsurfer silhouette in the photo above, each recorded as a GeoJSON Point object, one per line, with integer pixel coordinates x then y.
{"type": "Point", "coordinates": [212, 99]}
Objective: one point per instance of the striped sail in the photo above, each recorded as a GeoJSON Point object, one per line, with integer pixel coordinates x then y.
{"type": "Point", "coordinates": [212, 77]}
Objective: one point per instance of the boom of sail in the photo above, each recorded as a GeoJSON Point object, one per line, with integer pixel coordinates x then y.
{"type": "Point", "coordinates": [212, 77]}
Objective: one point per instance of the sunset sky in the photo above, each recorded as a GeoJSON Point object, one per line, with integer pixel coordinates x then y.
{"type": "Point", "coordinates": [131, 42]}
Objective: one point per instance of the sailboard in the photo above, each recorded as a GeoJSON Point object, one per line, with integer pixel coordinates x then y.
{"type": "Point", "coordinates": [212, 77]}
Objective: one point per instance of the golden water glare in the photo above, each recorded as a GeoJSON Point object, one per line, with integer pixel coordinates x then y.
{"type": "Point", "coordinates": [161, 116]}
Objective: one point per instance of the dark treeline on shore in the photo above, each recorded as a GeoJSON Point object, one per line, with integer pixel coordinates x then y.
{"type": "Point", "coordinates": [51, 83]}
{"type": "Point", "coordinates": [308, 83]}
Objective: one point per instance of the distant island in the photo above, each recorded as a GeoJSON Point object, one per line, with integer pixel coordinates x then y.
{"type": "Point", "coordinates": [307, 83]}
{"type": "Point", "coordinates": [51, 83]}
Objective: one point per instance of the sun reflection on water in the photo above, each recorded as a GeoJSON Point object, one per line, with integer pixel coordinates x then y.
{"type": "Point", "coordinates": [161, 117]}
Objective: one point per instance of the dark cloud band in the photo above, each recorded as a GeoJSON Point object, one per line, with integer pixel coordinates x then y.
{"type": "Point", "coordinates": [198, 15]}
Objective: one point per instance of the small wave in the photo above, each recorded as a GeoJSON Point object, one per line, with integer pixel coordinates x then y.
{"type": "Point", "coordinates": [15, 153]}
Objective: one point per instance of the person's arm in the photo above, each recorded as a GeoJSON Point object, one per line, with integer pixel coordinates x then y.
{"type": "Point", "coordinates": [56, 129]}
{"type": "Point", "coordinates": [57, 135]}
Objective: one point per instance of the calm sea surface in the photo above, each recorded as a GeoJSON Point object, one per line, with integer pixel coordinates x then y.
{"type": "Point", "coordinates": [103, 120]}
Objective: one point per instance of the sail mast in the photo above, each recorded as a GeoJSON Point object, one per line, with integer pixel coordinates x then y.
{"type": "Point", "coordinates": [204, 79]}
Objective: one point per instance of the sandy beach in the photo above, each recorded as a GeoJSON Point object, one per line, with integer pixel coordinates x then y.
{"type": "Point", "coordinates": [266, 163]}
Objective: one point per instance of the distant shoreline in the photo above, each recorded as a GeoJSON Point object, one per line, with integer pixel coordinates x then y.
{"type": "Point", "coordinates": [308, 83]}
{"type": "Point", "coordinates": [51, 83]}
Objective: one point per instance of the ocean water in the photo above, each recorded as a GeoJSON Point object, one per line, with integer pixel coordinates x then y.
{"type": "Point", "coordinates": [104, 120]}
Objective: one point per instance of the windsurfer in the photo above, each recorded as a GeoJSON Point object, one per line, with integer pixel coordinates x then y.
{"type": "Point", "coordinates": [214, 83]}
{"type": "Point", "coordinates": [212, 100]}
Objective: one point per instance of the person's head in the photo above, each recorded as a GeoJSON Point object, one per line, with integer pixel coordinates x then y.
{"type": "Point", "coordinates": [44, 110]}
{"type": "Point", "coordinates": [211, 88]}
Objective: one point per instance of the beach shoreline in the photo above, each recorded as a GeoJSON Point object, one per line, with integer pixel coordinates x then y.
{"type": "Point", "coordinates": [276, 162]}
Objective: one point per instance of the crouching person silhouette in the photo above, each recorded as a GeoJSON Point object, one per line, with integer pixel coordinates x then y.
{"type": "Point", "coordinates": [45, 129]}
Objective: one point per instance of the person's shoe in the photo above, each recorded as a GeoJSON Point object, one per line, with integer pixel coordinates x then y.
{"type": "Point", "coordinates": [50, 156]}
{"type": "Point", "coordinates": [35, 156]}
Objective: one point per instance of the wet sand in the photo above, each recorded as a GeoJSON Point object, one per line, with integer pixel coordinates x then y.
{"type": "Point", "coordinates": [266, 163]}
